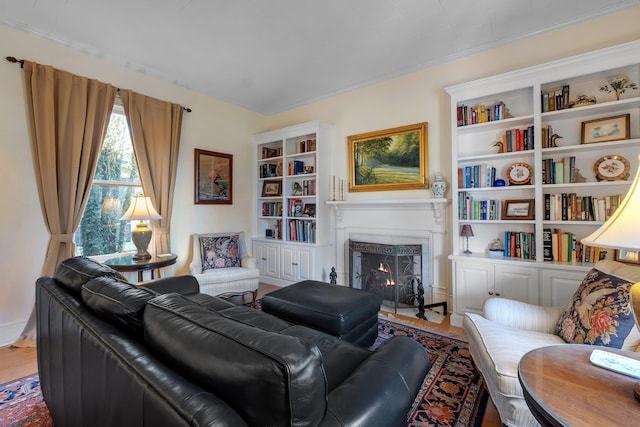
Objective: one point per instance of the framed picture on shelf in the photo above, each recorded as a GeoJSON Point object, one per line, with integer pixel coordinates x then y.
{"type": "Point", "coordinates": [213, 178]}
{"type": "Point", "coordinates": [271, 188]}
{"type": "Point", "coordinates": [631, 257]}
{"type": "Point", "coordinates": [606, 129]}
{"type": "Point", "coordinates": [517, 209]}
{"type": "Point", "coordinates": [309, 209]}
{"type": "Point", "coordinates": [391, 159]}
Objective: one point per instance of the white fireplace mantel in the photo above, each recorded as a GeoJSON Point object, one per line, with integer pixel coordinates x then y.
{"type": "Point", "coordinates": [395, 221]}
{"type": "Point", "coordinates": [437, 205]}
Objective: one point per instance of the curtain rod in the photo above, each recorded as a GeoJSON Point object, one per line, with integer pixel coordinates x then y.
{"type": "Point", "coordinates": [14, 60]}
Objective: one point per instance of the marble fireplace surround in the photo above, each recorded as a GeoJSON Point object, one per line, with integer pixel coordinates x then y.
{"type": "Point", "coordinates": [419, 221]}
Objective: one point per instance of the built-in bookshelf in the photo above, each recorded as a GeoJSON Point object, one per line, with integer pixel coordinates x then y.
{"type": "Point", "coordinates": [540, 175]}
{"type": "Point", "coordinates": [292, 223]}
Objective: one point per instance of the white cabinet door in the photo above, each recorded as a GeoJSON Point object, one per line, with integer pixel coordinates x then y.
{"type": "Point", "coordinates": [305, 263]}
{"type": "Point", "coordinates": [268, 258]}
{"type": "Point", "coordinates": [297, 263]}
{"type": "Point", "coordinates": [558, 286]}
{"type": "Point", "coordinates": [472, 284]}
{"type": "Point", "coordinates": [517, 283]}
{"type": "Point", "coordinates": [289, 263]}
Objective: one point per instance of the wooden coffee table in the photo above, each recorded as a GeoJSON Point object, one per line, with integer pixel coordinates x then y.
{"type": "Point", "coordinates": [562, 388]}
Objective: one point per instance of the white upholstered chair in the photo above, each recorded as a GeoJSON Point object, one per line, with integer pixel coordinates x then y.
{"type": "Point", "coordinates": [222, 265]}
{"type": "Point", "coordinates": [509, 329]}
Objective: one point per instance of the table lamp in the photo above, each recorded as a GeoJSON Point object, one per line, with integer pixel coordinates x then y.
{"type": "Point", "coordinates": [621, 231]}
{"type": "Point", "coordinates": [142, 209]}
{"type": "Point", "coordinates": [466, 232]}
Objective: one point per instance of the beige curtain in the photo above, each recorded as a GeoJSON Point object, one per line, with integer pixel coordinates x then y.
{"type": "Point", "coordinates": [155, 127]}
{"type": "Point", "coordinates": [68, 117]}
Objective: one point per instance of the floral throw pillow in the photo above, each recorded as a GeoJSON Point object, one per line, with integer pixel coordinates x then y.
{"type": "Point", "coordinates": [219, 252]}
{"type": "Point", "coordinates": [600, 312]}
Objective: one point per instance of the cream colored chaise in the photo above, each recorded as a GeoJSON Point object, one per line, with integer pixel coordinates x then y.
{"type": "Point", "coordinates": [222, 265]}
{"type": "Point", "coordinates": [509, 329]}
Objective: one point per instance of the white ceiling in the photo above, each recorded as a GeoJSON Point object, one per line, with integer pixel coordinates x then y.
{"type": "Point", "coordinates": [272, 55]}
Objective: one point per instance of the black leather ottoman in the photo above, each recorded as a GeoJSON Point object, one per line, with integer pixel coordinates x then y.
{"type": "Point", "coordinates": [349, 314]}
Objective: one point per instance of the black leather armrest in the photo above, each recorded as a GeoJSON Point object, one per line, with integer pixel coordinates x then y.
{"type": "Point", "coordinates": [398, 368]}
{"type": "Point", "coordinates": [184, 285]}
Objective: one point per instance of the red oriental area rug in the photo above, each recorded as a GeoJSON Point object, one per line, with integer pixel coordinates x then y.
{"type": "Point", "coordinates": [452, 394]}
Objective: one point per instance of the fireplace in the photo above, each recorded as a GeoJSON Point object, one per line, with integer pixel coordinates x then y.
{"type": "Point", "coordinates": [398, 223]}
{"type": "Point", "coordinates": [392, 271]}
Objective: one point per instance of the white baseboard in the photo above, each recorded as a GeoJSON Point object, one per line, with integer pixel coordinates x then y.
{"type": "Point", "coordinates": [9, 332]}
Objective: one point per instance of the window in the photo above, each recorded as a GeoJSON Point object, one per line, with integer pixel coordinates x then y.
{"type": "Point", "coordinates": [115, 182]}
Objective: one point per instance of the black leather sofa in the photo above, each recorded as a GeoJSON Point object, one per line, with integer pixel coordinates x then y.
{"type": "Point", "coordinates": [114, 354]}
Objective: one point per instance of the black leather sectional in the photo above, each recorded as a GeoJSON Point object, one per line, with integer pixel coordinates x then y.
{"type": "Point", "coordinates": [114, 354]}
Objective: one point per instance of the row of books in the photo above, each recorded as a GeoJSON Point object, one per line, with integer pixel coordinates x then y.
{"type": "Point", "coordinates": [306, 145]}
{"type": "Point", "coordinates": [302, 231]}
{"type": "Point", "coordinates": [559, 171]}
{"type": "Point", "coordinates": [476, 176]}
{"type": "Point", "coordinates": [555, 99]}
{"type": "Point", "coordinates": [481, 113]}
{"type": "Point", "coordinates": [268, 153]}
{"type": "Point", "coordinates": [307, 188]}
{"type": "Point", "coordinates": [271, 208]}
{"type": "Point", "coordinates": [520, 244]}
{"type": "Point", "coordinates": [565, 247]}
{"type": "Point", "coordinates": [269, 170]}
{"type": "Point", "coordinates": [296, 167]}
{"type": "Point", "coordinates": [572, 207]}
{"type": "Point", "coordinates": [517, 140]}
{"type": "Point", "coordinates": [470, 209]}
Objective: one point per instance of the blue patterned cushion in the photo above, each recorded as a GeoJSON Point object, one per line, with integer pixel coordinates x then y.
{"type": "Point", "coordinates": [219, 252]}
{"type": "Point", "coordinates": [599, 313]}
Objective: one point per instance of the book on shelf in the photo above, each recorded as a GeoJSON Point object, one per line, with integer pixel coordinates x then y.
{"type": "Point", "coordinates": [519, 244]}
{"type": "Point", "coordinates": [555, 99]}
{"type": "Point", "coordinates": [296, 167]}
{"type": "Point", "coordinates": [481, 113]}
{"type": "Point", "coordinates": [268, 152]}
{"type": "Point", "coordinates": [306, 145]}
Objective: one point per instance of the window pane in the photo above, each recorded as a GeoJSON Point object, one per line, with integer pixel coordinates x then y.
{"type": "Point", "coordinates": [116, 181]}
{"type": "Point", "coordinates": [101, 231]}
{"type": "Point", "coordinates": [117, 161]}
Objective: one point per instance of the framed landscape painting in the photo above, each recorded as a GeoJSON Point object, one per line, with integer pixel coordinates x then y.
{"type": "Point", "coordinates": [213, 178]}
{"type": "Point", "coordinates": [391, 159]}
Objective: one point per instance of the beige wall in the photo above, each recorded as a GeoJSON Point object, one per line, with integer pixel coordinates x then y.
{"type": "Point", "coordinates": [213, 125]}
{"type": "Point", "coordinates": [222, 127]}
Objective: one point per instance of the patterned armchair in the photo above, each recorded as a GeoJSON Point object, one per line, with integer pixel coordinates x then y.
{"type": "Point", "coordinates": [222, 265]}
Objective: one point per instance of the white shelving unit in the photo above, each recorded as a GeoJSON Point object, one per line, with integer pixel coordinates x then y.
{"type": "Point", "coordinates": [480, 275]}
{"type": "Point", "coordinates": [293, 239]}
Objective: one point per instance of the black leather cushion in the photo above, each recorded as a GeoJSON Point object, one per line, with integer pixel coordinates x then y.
{"type": "Point", "coordinates": [119, 302]}
{"type": "Point", "coordinates": [252, 317]}
{"type": "Point", "coordinates": [339, 358]}
{"type": "Point", "coordinates": [74, 272]}
{"type": "Point", "coordinates": [268, 378]}
{"type": "Point", "coordinates": [337, 310]}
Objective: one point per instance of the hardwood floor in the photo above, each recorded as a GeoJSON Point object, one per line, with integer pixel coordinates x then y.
{"type": "Point", "coordinates": [18, 362]}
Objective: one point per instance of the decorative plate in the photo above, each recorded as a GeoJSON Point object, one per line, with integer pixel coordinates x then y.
{"type": "Point", "coordinates": [611, 168]}
{"type": "Point", "coordinates": [519, 174]}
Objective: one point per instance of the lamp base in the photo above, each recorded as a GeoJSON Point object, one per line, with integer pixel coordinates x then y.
{"type": "Point", "coordinates": [467, 251]}
{"type": "Point", "coordinates": [141, 237]}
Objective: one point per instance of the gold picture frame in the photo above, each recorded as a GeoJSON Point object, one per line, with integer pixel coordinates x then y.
{"type": "Point", "coordinates": [391, 159]}
{"type": "Point", "coordinates": [518, 209]}
{"type": "Point", "coordinates": [272, 188]}
{"type": "Point", "coordinates": [606, 129]}
{"type": "Point", "coordinates": [213, 178]}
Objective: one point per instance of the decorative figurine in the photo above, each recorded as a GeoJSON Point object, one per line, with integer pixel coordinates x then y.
{"type": "Point", "coordinates": [333, 276]}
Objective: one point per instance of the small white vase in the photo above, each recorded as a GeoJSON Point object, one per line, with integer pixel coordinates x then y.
{"type": "Point", "coordinates": [438, 186]}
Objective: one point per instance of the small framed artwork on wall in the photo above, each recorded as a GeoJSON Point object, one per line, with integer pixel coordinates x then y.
{"type": "Point", "coordinates": [213, 178]}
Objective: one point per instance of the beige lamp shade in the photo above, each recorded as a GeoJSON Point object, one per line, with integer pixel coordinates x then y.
{"type": "Point", "coordinates": [622, 229]}
{"type": "Point", "coordinates": [141, 209]}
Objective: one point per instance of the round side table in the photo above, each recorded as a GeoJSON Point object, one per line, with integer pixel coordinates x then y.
{"type": "Point", "coordinates": [127, 263]}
